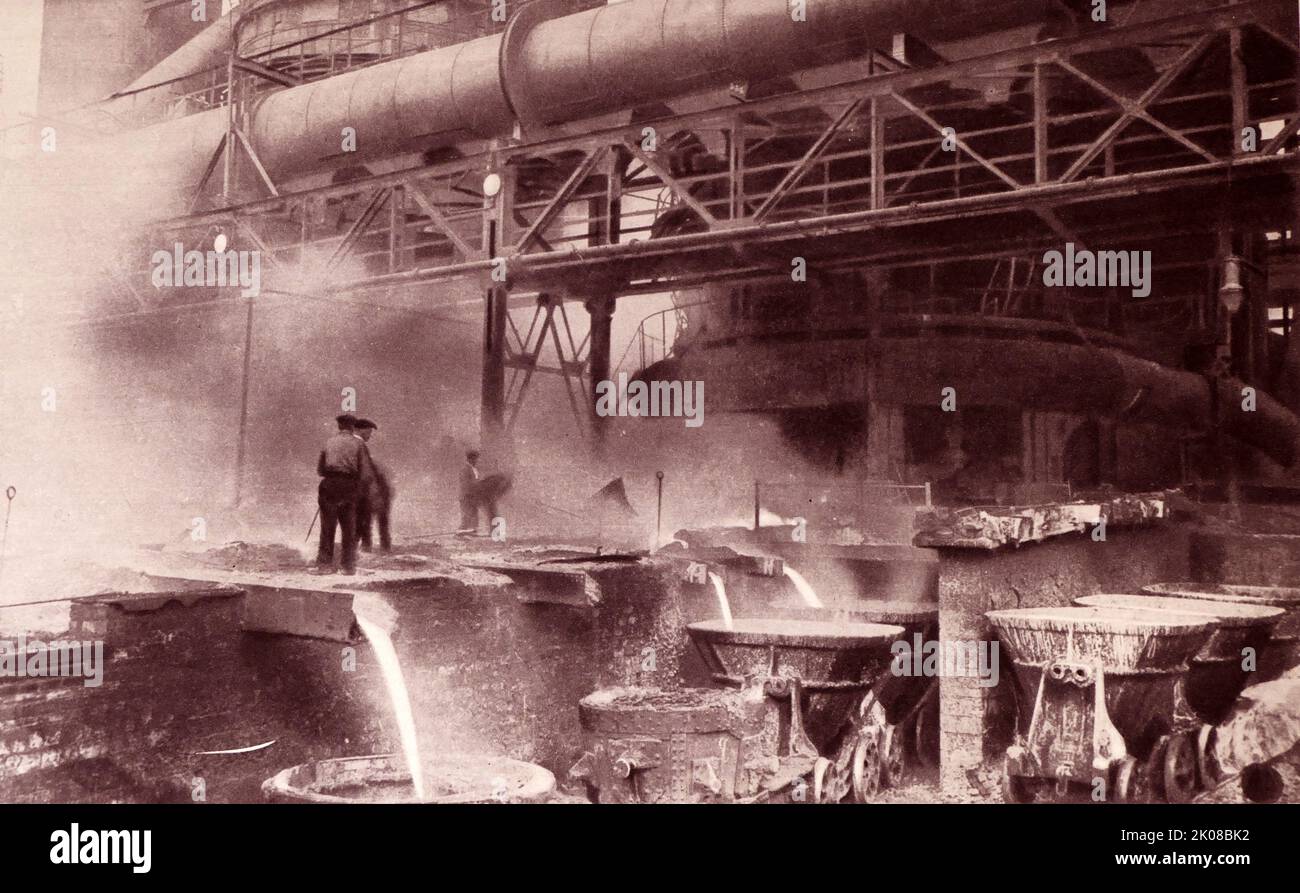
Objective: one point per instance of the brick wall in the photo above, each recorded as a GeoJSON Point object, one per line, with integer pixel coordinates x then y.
{"type": "Point", "coordinates": [486, 673]}
{"type": "Point", "coordinates": [168, 681]}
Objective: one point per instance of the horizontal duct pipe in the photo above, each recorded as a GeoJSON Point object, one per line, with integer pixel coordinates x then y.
{"type": "Point", "coordinates": [204, 51]}
{"type": "Point", "coordinates": [539, 71]}
{"type": "Point", "coordinates": [1097, 380]}
{"type": "Point", "coordinates": [546, 71]}
{"type": "Point", "coordinates": [765, 376]}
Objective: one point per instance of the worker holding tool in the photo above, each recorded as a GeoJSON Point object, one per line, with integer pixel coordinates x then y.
{"type": "Point", "coordinates": [477, 490]}
{"type": "Point", "coordinates": [376, 497]}
{"type": "Point", "coordinates": [344, 465]}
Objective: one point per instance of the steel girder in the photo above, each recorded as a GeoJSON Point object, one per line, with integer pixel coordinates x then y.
{"type": "Point", "coordinates": [682, 200]}
{"type": "Point", "coordinates": [851, 158]}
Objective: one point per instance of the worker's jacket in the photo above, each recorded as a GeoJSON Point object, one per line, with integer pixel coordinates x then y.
{"type": "Point", "coordinates": [379, 488]}
{"type": "Point", "coordinates": [468, 481]}
{"type": "Point", "coordinates": [345, 462]}
{"type": "Point", "coordinates": [344, 455]}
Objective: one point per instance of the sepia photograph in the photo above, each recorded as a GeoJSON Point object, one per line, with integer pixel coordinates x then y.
{"type": "Point", "coordinates": [475, 406]}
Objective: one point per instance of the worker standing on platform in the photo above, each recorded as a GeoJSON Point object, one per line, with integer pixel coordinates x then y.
{"type": "Point", "coordinates": [477, 490]}
{"type": "Point", "coordinates": [343, 464]}
{"type": "Point", "coordinates": [376, 497]}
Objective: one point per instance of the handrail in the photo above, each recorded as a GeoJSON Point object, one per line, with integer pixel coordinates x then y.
{"type": "Point", "coordinates": [399, 43]}
{"type": "Point", "coordinates": [643, 336]}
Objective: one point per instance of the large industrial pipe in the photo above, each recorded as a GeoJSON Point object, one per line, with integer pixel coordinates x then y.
{"type": "Point", "coordinates": [1097, 380]}
{"type": "Point", "coordinates": [543, 71]}
{"type": "Point", "coordinates": [202, 52]}
{"type": "Point", "coordinates": [991, 371]}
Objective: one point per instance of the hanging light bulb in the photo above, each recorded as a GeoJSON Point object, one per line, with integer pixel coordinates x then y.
{"type": "Point", "coordinates": [1231, 292]}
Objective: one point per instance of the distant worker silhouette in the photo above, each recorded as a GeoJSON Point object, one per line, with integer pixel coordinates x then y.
{"type": "Point", "coordinates": [477, 491]}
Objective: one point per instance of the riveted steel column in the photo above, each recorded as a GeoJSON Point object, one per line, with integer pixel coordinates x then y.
{"type": "Point", "coordinates": [493, 403]}
{"type": "Point", "coordinates": [601, 310]}
{"type": "Point", "coordinates": [495, 309]}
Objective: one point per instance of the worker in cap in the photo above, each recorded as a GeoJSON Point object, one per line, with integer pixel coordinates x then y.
{"type": "Point", "coordinates": [376, 497]}
{"type": "Point", "coordinates": [343, 464]}
{"type": "Point", "coordinates": [477, 490]}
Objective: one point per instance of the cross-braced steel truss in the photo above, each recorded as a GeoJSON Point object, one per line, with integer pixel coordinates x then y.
{"type": "Point", "coordinates": [1071, 138]}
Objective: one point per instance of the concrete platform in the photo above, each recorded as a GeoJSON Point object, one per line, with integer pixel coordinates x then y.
{"type": "Point", "coordinates": [299, 603]}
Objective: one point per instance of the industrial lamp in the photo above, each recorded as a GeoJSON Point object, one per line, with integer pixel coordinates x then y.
{"type": "Point", "coordinates": [1231, 292]}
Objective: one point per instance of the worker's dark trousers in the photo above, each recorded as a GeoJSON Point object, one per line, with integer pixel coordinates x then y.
{"type": "Point", "coordinates": [468, 512]}
{"type": "Point", "coordinates": [338, 509]}
{"type": "Point", "coordinates": [469, 506]}
{"type": "Point", "coordinates": [369, 511]}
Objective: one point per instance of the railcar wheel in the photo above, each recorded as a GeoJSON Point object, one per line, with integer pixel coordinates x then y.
{"type": "Point", "coordinates": [1142, 787]}
{"type": "Point", "coordinates": [1180, 769]}
{"type": "Point", "coordinates": [1124, 787]}
{"type": "Point", "coordinates": [1261, 783]}
{"type": "Point", "coordinates": [1206, 765]}
{"type": "Point", "coordinates": [866, 767]}
{"type": "Point", "coordinates": [821, 775]}
{"type": "Point", "coordinates": [927, 734]}
{"type": "Point", "coordinates": [1153, 774]}
{"type": "Point", "coordinates": [893, 759]}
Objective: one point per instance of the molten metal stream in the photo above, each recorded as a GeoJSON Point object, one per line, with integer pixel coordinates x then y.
{"type": "Point", "coordinates": [382, 644]}
{"type": "Point", "coordinates": [806, 592]}
{"type": "Point", "coordinates": [723, 604]}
